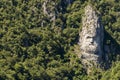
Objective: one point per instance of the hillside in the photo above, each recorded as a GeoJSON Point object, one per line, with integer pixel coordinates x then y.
{"type": "Point", "coordinates": [39, 40]}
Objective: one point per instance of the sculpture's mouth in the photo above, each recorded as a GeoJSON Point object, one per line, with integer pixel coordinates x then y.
{"type": "Point", "coordinates": [91, 48]}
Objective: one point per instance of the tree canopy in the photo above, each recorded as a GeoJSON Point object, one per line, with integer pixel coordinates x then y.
{"type": "Point", "coordinates": [32, 48]}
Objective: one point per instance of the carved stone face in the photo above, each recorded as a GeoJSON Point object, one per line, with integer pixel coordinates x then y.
{"type": "Point", "coordinates": [91, 37]}
{"type": "Point", "coordinates": [89, 43]}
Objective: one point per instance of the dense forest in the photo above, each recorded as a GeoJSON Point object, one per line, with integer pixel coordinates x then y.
{"type": "Point", "coordinates": [38, 46]}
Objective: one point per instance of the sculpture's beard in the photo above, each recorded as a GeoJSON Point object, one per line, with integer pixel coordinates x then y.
{"type": "Point", "coordinates": [90, 48]}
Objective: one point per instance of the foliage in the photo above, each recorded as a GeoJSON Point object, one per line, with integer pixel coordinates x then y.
{"type": "Point", "coordinates": [32, 48]}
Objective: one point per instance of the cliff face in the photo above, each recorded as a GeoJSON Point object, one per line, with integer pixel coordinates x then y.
{"type": "Point", "coordinates": [51, 9]}
{"type": "Point", "coordinates": [91, 37]}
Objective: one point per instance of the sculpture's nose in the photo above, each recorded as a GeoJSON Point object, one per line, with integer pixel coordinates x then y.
{"type": "Point", "coordinates": [90, 40]}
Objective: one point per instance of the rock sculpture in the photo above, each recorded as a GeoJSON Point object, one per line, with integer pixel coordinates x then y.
{"type": "Point", "coordinates": [91, 38]}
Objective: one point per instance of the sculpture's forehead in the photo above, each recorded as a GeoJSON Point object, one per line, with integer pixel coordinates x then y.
{"type": "Point", "coordinates": [89, 32]}
{"type": "Point", "coordinates": [88, 7]}
{"type": "Point", "coordinates": [89, 35]}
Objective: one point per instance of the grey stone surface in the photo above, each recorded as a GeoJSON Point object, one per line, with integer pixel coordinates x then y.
{"type": "Point", "coordinates": [91, 37]}
{"type": "Point", "coordinates": [49, 11]}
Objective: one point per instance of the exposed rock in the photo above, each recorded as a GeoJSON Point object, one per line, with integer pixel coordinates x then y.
{"type": "Point", "coordinates": [91, 38]}
{"type": "Point", "coordinates": [49, 9]}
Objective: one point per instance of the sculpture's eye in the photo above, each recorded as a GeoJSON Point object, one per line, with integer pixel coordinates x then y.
{"type": "Point", "coordinates": [88, 37]}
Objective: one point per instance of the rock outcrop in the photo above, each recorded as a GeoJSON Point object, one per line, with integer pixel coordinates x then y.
{"type": "Point", "coordinates": [91, 38]}
{"type": "Point", "coordinates": [48, 10]}
{"type": "Point", "coordinates": [49, 7]}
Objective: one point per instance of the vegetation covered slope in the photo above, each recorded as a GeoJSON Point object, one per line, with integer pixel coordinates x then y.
{"type": "Point", "coordinates": [30, 50]}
